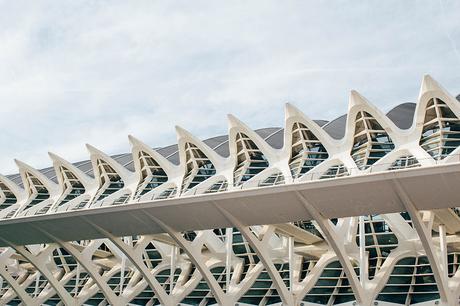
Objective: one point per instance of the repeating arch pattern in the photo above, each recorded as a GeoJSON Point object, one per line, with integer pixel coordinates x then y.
{"type": "Point", "coordinates": [377, 258]}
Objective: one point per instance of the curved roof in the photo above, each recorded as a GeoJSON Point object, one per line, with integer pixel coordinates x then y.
{"type": "Point", "coordinates": [401, 115]}
{"type": "Point", "coordinates": [336, 128]}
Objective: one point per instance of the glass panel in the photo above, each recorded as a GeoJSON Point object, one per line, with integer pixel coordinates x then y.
{"type": "Point", "coordinates": [379, 241]}
{"type": "Point", "coordinates": [36, 190]}
{"type": "Point", "coordinates": [73, 188]}
{"type": "Point", "coordinates": [7, 197]}
{"type": "Point", "coordinates": [371, 142]}
{"type": "Point", "coordinates": [335, 171]}
{"type": "Point", "coordinates": [152, 175]}
{"type": "Point", "coordinates": [306, 152]}
{"type": "Point", "coordinates": [250, 160]}
{"type": "Point", "coordinates": [198, 167]}
{"type": "Point", "coordinates": [441, 130]}
{"type": "Point", "coordinates": [404, 162]}
{"type": "Point", "coordinates": [109, 180]}
{"type": "Point", "coordinates": [411, 282]}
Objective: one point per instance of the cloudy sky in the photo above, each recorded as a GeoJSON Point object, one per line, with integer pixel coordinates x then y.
{"type": "Point", "coordinates": [76, 72]}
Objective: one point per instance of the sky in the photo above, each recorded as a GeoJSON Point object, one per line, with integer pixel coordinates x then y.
{"type": "Point", "coordinates": [76, 72]}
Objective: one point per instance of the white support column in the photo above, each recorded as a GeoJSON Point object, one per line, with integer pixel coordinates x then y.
{"type": "Point", "coordinates": [153, 283]}
{"type": "Point", "coordinates": [172, 268]}
{"type": "Point", "coordinates": [21, 293]}
{"type": "Point", "coordinates": [443, 249]}
{"type": "Point", "coordinates": [291, 262]}
{"type": "Point", "coordinates": [196, 257]}
{"type": "Point", "coordinates": [337, 245]}
{"type": "Point", "coordinates": [261, 251]}
{"type": "Point", "coordinates": [40, 265]}
{"type": "Point", "coordinates": [425, 236]}
{"type": "Point", "coordinates": [228, 256]}
{"type": "Point", "coordinates": [122, 273]}
{"type": "Point", "coordinates": [89, 266]}
{"type": "Point", "coordinates": [362, 252]}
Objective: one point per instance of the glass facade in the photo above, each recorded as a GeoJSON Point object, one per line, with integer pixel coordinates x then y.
{"type": "Point", "coordinates": [306, 152]}
{"type": "Point", "coordinates": [198, 167]}
{"type": "Point", "coordinates": [274, 179]}
{"type": "Point", "coordinates": [109, 180]}
{"type": "Point", "coordinates": [36, 190]}
{"type": "Point", "coordinates": [441, 129]}
{"type": "Point", "coordinates": [370, 142]}
{"type": "Point", "coordinates": [250, 161]}
{"type": "Point", "coordinates": [335, 171]}
{"type": "Point", "coordinates": [152, 175]}
{"type": "Point", "coordinates": [379, 241]}
{"type": "Point", "coordinates": [217, 187]}
{"type": "Point", "coordinates": [332, 287]}
{"type": "Point", "coordinates": [7, 197]}
{"type": "Point", "coordinates": [411, 282]}
{"type": "Point", "coordinates": [404, 162]}
{"type": "Point", "coordinates": [73, 188]}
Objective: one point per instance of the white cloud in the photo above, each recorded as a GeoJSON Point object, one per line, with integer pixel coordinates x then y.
{"type": "Point", "coordinates": [78, 72]}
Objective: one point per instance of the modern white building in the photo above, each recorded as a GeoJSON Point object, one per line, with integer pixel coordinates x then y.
{"type": "Point", "coordinates": [360, 210]}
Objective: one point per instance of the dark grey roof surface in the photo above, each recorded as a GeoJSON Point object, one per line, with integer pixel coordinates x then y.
{"type": "Point", "coordinates": [219, 144]}
{"type": "Point", "coordinates": [401, 115]}
{"type": "Point", "coordinates": [336, 127]}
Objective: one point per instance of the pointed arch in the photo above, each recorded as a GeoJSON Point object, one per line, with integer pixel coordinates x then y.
{"type": "Point", "coordinates": [198, 167]}
{"type": "Point", "coordinates": [153, 170]}
{"type": "Point", "coordinates": [250, 160]}
{"type": "Point", "coordinates": [436, 127]}
{"type": "Point", "coordinates": [115, 182]}
{"type": "Point", "coordinates": [41, 191]}
{"type": "Point", "coordinates": [369, 133]}
{"type": "Point", "coordinates": [199, 163]}
{"type": "Point", "coordinates": [109, 180]}
{"type": "Point", "coordinates": [72, 187]}
{"type": "Point", "coordinates": [441, 129]}
{"type": "Point", "coordinates": [74, 184]}
{"type": "Point", "coordinates": [250, 154]}
{"type": "Point", "coordinates": [307, 151]}
{"type": "Point", "coordinates": [10, 193]}
{"type": "Point", "coordinates": [151, 174]}
{"type": "Point", "coordinates": [370, 141]}
{"type": "Point", "coordinates": [306, 142]}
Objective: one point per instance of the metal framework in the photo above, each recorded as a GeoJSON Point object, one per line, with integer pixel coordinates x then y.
{"type": "Point", "coordinates": [404, 258]}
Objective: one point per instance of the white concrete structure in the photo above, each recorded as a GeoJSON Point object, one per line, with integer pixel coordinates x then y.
{"type": "Point", "coordinates": [357, 211]}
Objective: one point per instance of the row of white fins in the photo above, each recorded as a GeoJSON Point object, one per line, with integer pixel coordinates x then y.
{"type": "Point", "coordinates": [406, 143]}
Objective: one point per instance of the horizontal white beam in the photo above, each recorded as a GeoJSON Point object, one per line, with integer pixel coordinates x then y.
{"type": "Point", "coordinates": [433, 187]}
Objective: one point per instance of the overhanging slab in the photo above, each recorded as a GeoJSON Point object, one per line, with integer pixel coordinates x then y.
{"type": "Point", "coordinates": [433, 187]}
